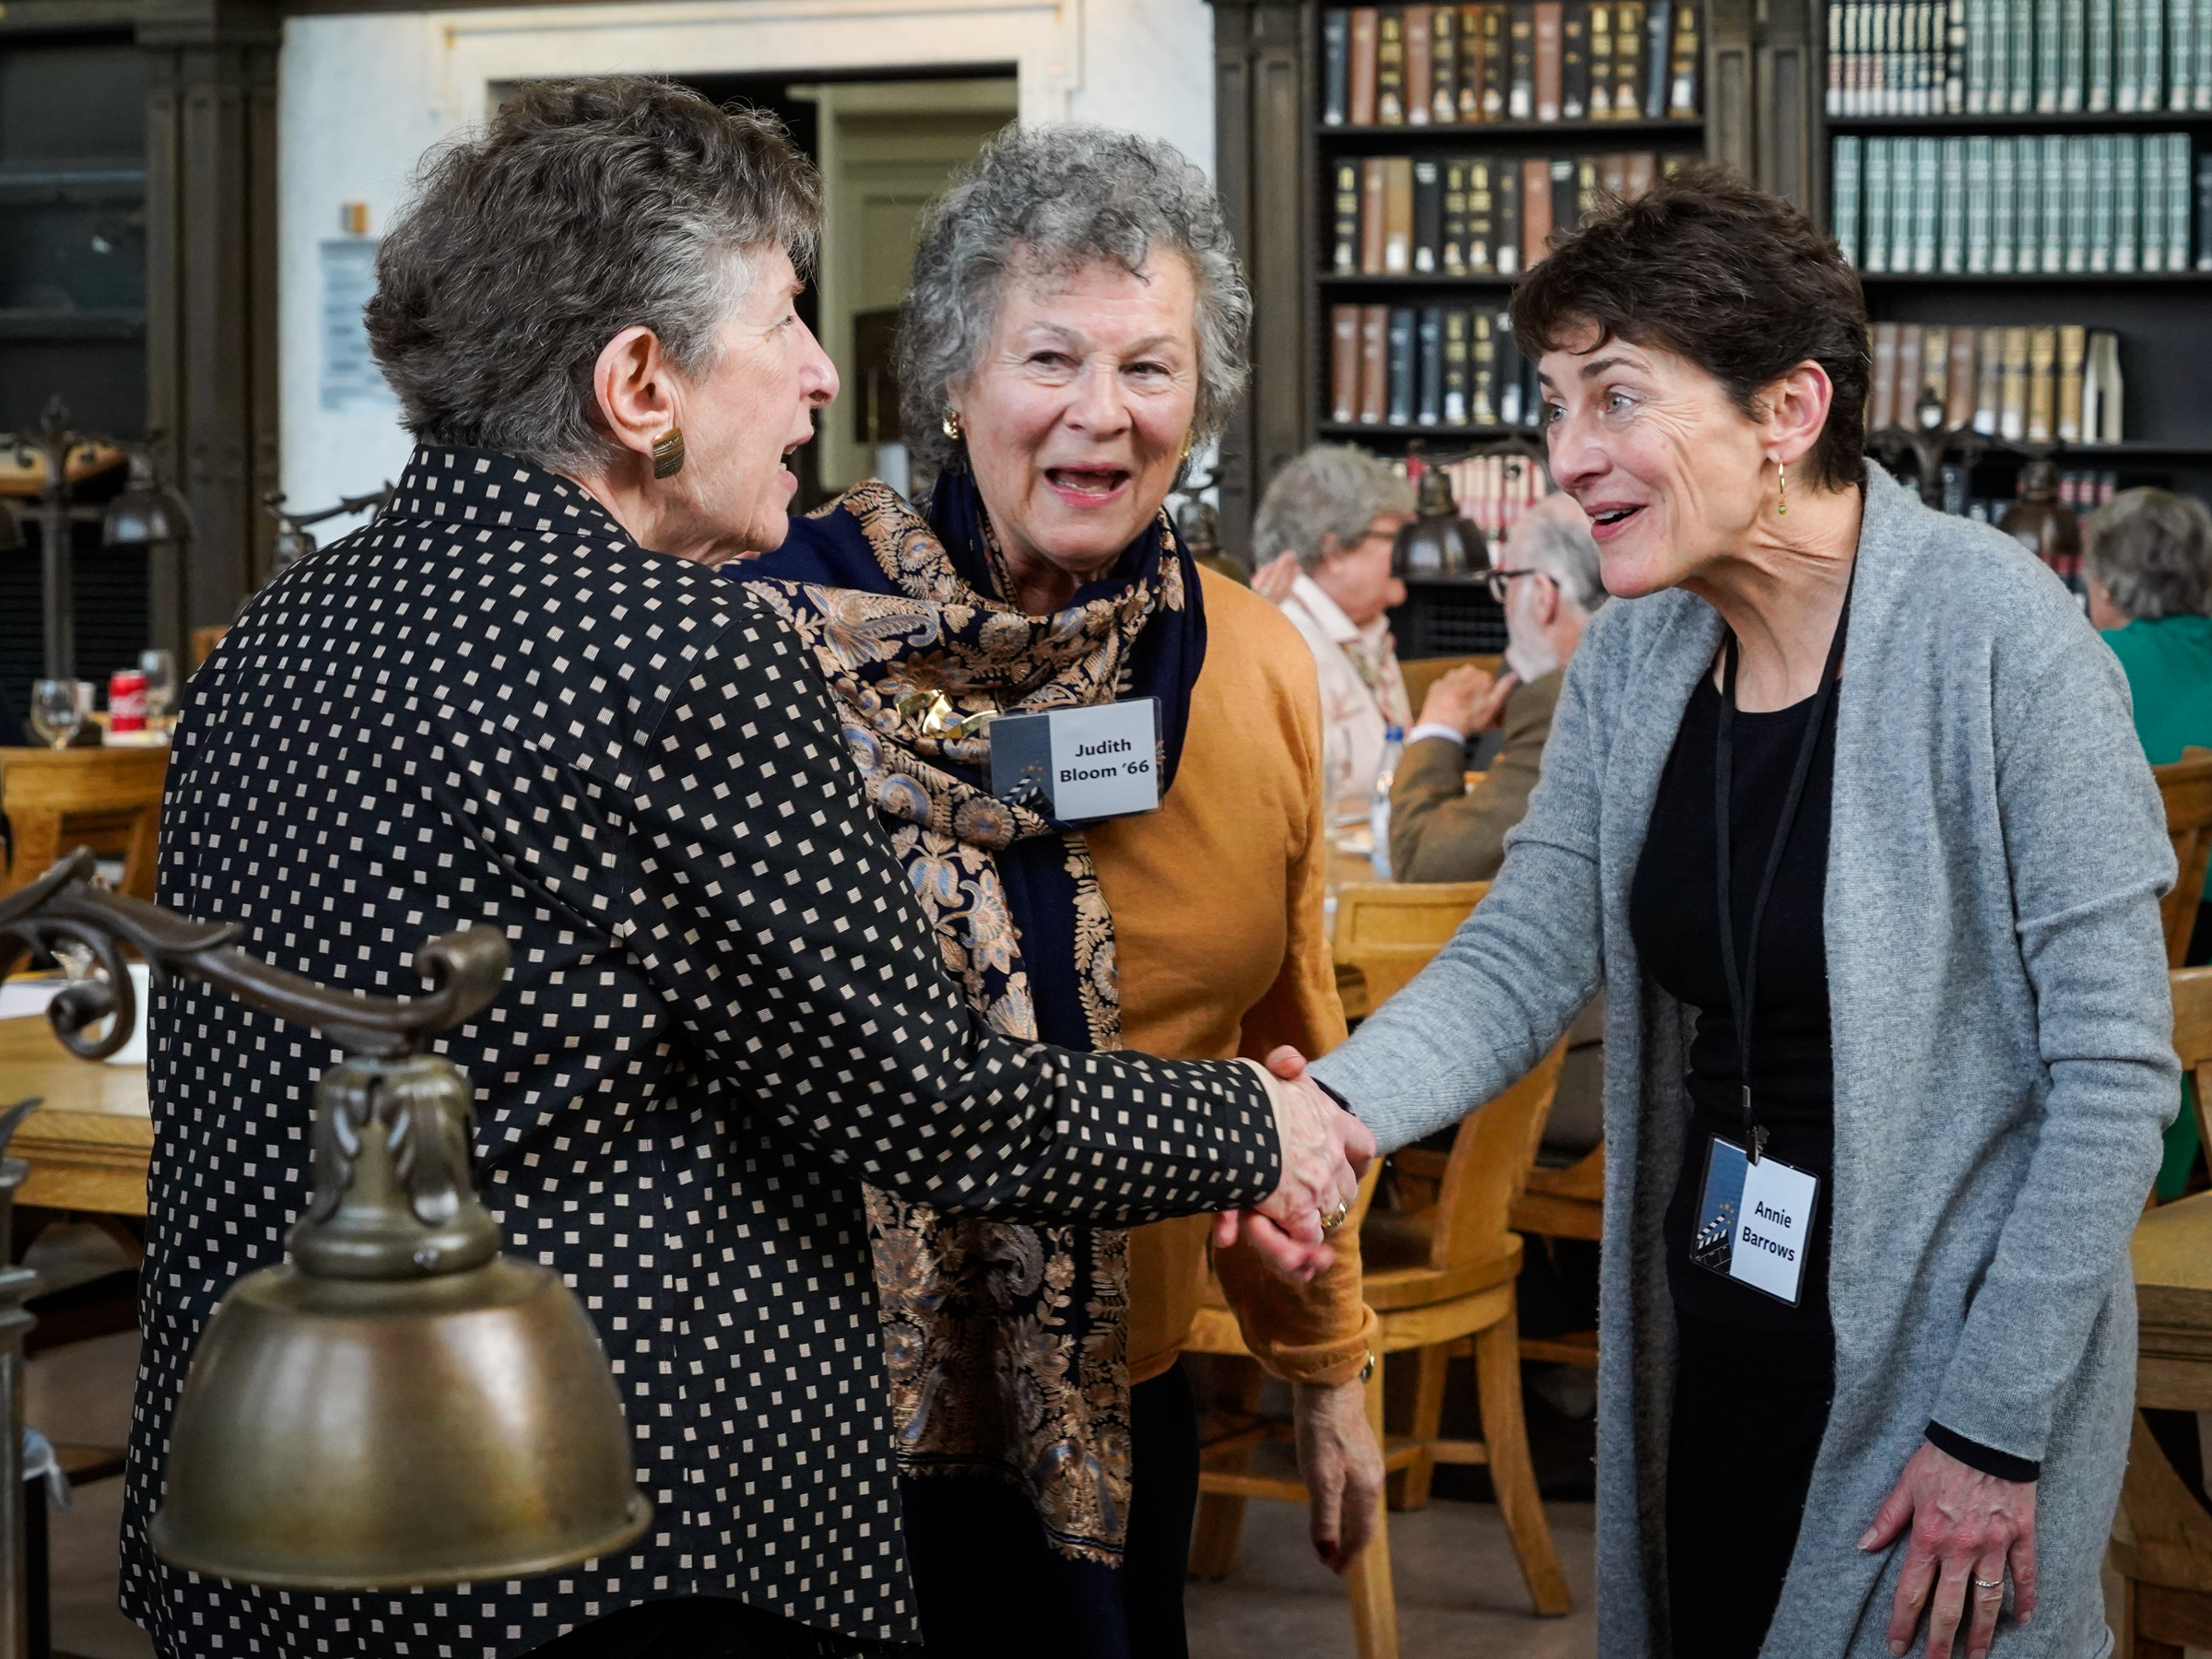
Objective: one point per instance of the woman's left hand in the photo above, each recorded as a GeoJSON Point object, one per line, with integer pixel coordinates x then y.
{"type": "Point", "coordinates": [1342, 1468]}
{"type": "Point", "coordinates": [1967, 1526]}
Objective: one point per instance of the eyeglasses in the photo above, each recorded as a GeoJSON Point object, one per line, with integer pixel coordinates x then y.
{"type": "Point", "coordinates": [1498, 580]}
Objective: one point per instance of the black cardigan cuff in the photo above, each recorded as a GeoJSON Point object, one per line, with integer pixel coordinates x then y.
{"type": "Point", "coordinates": [1330, 1092]}
{"type": "Point", "coordinates": [1988, 1459]}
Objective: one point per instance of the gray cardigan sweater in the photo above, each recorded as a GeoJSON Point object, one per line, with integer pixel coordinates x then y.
{"type": "Point", "coordinates": [2003, 1043]}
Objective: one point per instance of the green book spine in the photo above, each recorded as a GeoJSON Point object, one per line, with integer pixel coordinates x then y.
{"type": "Point", "coordinates": [1482, 218]}
{"type": "Point", "coordinates": [1977, 204]}
{"type": "Point", "coordinates": [2179, 218]}
{"type": "Point", "coordinates": [1843, 198]}
{"type": "Point", "coordinates": [1903, 203]}
{"type": "Point", "coordinates": [2075, 252]}
{"type": "Point", "coordinates": [2153, 94]}
{"type": "Point", "coordinates": [1455, 367]}
{"type": "Point", "coordinates": [2127, 69]}
{"type": "Point", "coordinates": [1978, 42]}
{"type": "Point", "coordinates": [1927, 200]}
{"type": "Point", "coordinates": [2020, 91]}
{"type": "Point", "coordinates": [1833, 100]}
{"type": "Point", "coordinates": [1888, 22]}
{"type": "Point", "coordinates": [1455, 218]}
{"type": "Point", "coordinates": [2072, 52]}
{"type": "Point", "coordinates": [2050, 30]}
{"type": "Point", "coordinates": [2028, 207]}
{"type": "Point", "coordinates": [2102, 205]}
{"type": "Point", "coordinates": [2153, 213]}
{"type": "Point", "coordinates": [1954, 59]}
{"type": "Point", "coordinates": [2181, 52]}
{"type": "Point", "coordinates": [1950, 230]}
{"type": "Point", "coordinates": [2098, 95]}
{"type": "Point", "coordinates": [1482, 403]}
{"type": "Point", "coordinates": [2127, 198]}
{"type": "Point", "coordinates": [1876, 254]}
{"type": "Point", "coordinates": [1937, 15]}
{"type": "Point", "coordinates": [2200, 91]}
{"type": "Point", "coordinates": [2054, 171]}
{"type": "Point", "coordinates": [2003, 215]}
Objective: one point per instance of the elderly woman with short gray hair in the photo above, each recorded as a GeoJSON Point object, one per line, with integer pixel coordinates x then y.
{"type": "Point", "coordinates": [1324, 539]}
{"type": "Point", "coordinates": [1075, 328]}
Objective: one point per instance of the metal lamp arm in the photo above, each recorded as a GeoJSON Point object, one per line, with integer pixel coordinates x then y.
{"type": "Point", "coordinates": [465, 969]}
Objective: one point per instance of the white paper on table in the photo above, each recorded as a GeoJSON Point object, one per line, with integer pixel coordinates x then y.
{"type": "Point", "coordinates": [19, 999]}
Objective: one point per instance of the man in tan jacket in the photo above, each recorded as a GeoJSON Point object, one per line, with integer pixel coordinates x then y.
{"type": "Point", "coordinates": [1547, 577]}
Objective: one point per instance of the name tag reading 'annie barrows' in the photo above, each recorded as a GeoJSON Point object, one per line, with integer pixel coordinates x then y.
{"type": "Point", "coordinates": [1080, 764]}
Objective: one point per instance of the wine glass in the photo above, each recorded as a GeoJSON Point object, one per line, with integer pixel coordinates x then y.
{"type": "Point", "coordinates": [161, 670]}
{"type": "Point", "coordinates": [54, 713]}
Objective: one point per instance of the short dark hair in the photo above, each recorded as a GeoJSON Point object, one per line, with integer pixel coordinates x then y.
{"type": "Point", "coordinates": [2151, 550]}
{"type": "Point", "coordinates": [587, 206]}
{"type": "Point", "coordinates": [1733, 278]}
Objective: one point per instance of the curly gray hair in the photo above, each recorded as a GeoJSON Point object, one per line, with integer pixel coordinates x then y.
{"type": "Point", "coordinates": [1333, 490]}
{"type": "Point", "coordinates": [586, 206]}
{"type": "Point", "coordinates": [1048, 198]}
{"type": "Point", "coordinates": [2151, 550]}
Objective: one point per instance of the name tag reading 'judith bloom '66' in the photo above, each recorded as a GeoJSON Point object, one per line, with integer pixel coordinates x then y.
{"type": "Point", "coordinates": [1079, 765]}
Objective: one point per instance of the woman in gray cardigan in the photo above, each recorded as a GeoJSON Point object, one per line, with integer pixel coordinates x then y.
{"type": "Point", "coordinates": [1889, 1043]}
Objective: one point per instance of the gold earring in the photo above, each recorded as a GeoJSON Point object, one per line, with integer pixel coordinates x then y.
{"type": "Point", "coordinates": [950, 425]}
{"type": "Point", "coordinates": [1190, 443]}
{"type": "Point", "coordinates": [1781, 490]}
{"type": "Point", "coordinates": [668, 454]}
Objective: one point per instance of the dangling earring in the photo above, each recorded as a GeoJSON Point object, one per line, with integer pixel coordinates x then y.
{"type": "Point", "coordinates": [1781, 490]}
{"type": "Point", "coordinates": [1190, 443]}
{"type": "Point", "coordinates": [950, 425]}
{"type": "Point", "coordinates": [668, 454]}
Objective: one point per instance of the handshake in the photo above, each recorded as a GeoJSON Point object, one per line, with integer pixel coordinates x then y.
{"type": "Point", "coordinates": [1326, 1150]}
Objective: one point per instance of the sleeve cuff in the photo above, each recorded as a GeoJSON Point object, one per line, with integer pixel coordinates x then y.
{"type": "Point", "coordinates": [1327, 1364]}
{"type": "Point", "coordinates": [1342, 1103]}
{"type": "Point", "coordinates": [1436, 728]}
{"type": "Point", "coordinates": [1988, 1459]}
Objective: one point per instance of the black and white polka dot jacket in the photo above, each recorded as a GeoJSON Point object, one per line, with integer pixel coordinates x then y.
{"type": "Point", "coordinates": [490, 709]}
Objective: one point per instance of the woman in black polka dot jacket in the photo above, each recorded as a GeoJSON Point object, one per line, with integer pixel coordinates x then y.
{"type": "Point", "coordinates": [496, 707]}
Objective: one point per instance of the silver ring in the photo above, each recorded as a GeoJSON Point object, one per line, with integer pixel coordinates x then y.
{"type": "Point", "coordinates": [1331, 1223]}
{"type": "Point", "coordinates": [1995, 1583]}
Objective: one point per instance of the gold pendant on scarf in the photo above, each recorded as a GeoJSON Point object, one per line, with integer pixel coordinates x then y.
{"type": "Point", "coordinates": [931, 714]}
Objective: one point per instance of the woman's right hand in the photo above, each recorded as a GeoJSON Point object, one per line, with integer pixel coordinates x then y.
{"type": "Point", "coordinates": [1273, 579]}
{"type": "Point", "coordinates": [1324, 1151]}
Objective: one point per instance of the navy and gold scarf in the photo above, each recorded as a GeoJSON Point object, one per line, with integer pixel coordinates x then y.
{"type": "Point", "coordinates": [1005, 1344]}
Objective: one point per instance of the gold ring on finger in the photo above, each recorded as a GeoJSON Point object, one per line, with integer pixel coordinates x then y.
{"type": "Point", "coordinates": [1335, 1220]}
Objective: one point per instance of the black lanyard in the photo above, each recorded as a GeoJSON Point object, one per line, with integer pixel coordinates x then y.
{"type": "Point", "coordinates": [1744, 988]}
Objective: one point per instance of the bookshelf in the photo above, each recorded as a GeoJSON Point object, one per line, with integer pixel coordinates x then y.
{"type": "Point", "coordinates": [1761, 108]}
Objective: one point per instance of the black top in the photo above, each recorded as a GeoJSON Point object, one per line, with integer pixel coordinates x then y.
{"type": "Point", "coordinates": [1674, 916]}
{"type": "Point", "coordinates": [726, 1011]}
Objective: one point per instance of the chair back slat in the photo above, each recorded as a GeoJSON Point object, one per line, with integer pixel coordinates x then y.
{"type": "Point", "coordinates": [107, 798]}
{"type": "Point", "coordinates": [2186, 785]}
{"type": "Point", "coordinates": [1421, 673]}
{"type": "Point", "coordinates": [1491, 1155]}
{"type": "Point", "coordinates": [1388, 930]}
{"type": "Point", "coordinates": [2193, 1037]}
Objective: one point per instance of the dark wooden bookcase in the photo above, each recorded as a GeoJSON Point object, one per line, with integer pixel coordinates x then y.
{"type": "Point", "coordinates": [1765, 73]}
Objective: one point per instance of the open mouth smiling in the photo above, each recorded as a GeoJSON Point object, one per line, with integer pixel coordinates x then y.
{"type": "Point", "coordinates": [1087, 483]}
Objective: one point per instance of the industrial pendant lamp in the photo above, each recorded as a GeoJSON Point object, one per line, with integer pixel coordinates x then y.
{"type": "Point", "coordinates": [1438, 544]}
{"type": "Point", "coordinates": [397, 1405]}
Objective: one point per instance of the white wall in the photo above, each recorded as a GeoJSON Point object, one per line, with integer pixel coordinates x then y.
{"type": "Point", "coordinates": [361, 98]}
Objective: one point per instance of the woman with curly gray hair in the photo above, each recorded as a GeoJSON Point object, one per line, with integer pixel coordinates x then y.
{"type": "Point", "coordinates": [1075, 328]}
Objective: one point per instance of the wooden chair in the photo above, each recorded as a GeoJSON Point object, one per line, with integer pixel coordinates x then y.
{"type": "Point", "coordinates": [108, 799]}
{"type": "Point", "coordinates": [1435, 1278]}
{"type": "Point", "coordinates": [1388, 930]}
{"type": "Point", "coordinates": [2193, 1040]}
{"type": "Point", "coordinates": [1565, 1203]}
{"type": "Point", "coordinates": [2162, 1551]}
{"type": "Point", "coordinates": [2186, 784]}
{"type": "Point", "coordinates": [204, 641]}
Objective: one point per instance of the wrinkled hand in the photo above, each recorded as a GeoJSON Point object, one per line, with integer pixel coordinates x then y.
{"type": "Point", "coordinates": [1467, 699]}
{"type": "Point", "coordinates": [1273, 580]}
{"type": "Point", "coordinates": [1325, 1150]}
{"type": "Point", "coordinates": [1342, 1466]}
{"type": "Point", "coordinates": [1966, 1526]}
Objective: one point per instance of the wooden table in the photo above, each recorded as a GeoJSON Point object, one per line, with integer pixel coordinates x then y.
{"type": "Point", "coordinates": [2173, 1250]}
{"type": "Point", "coordinates": [90, 1144]}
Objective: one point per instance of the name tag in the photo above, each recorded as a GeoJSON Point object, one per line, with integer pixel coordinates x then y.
{"type": "Point", "coordinates": [1079, 764]}
{"type": "Point", "coordinates": [1754, 1220]}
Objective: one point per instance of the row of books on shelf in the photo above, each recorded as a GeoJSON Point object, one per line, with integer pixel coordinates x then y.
{"type": "Point", "coordinates": [2029, 385]}
{"type": "Point", "coordinates": [1477, 217]}
{"type": "Point", "coordinates": [1427, 366]}
{"type": "Point", "coordinates": [2079, 490]}
{"type": "Point", "coordinates": [1991, 57]}
{"type": "Point", "coordinates": [1493, 490]}
{"type": "Point", "coordinates": [1554, 60]}
{"type": "Point", "coordinates": [2051, 203]}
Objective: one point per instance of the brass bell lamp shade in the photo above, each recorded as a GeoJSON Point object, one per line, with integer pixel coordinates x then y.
{"type": "Point", "coordinates": [397, 1405]}
{"type": "Point", "coordinates": [145, 511]}
{"type": "Point", "coordinates": [1439, 543]}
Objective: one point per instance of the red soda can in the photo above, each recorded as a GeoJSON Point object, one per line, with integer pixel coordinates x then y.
{"type": "Point", "coordinates": [126, 700]}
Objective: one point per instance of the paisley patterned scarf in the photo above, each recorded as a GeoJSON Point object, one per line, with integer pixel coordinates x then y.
{"type": "Point", "coordinates": [1005, 1344]}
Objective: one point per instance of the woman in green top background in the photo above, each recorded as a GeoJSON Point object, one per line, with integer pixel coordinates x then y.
{"type": "Point", "coordinates": [2148, 560]}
